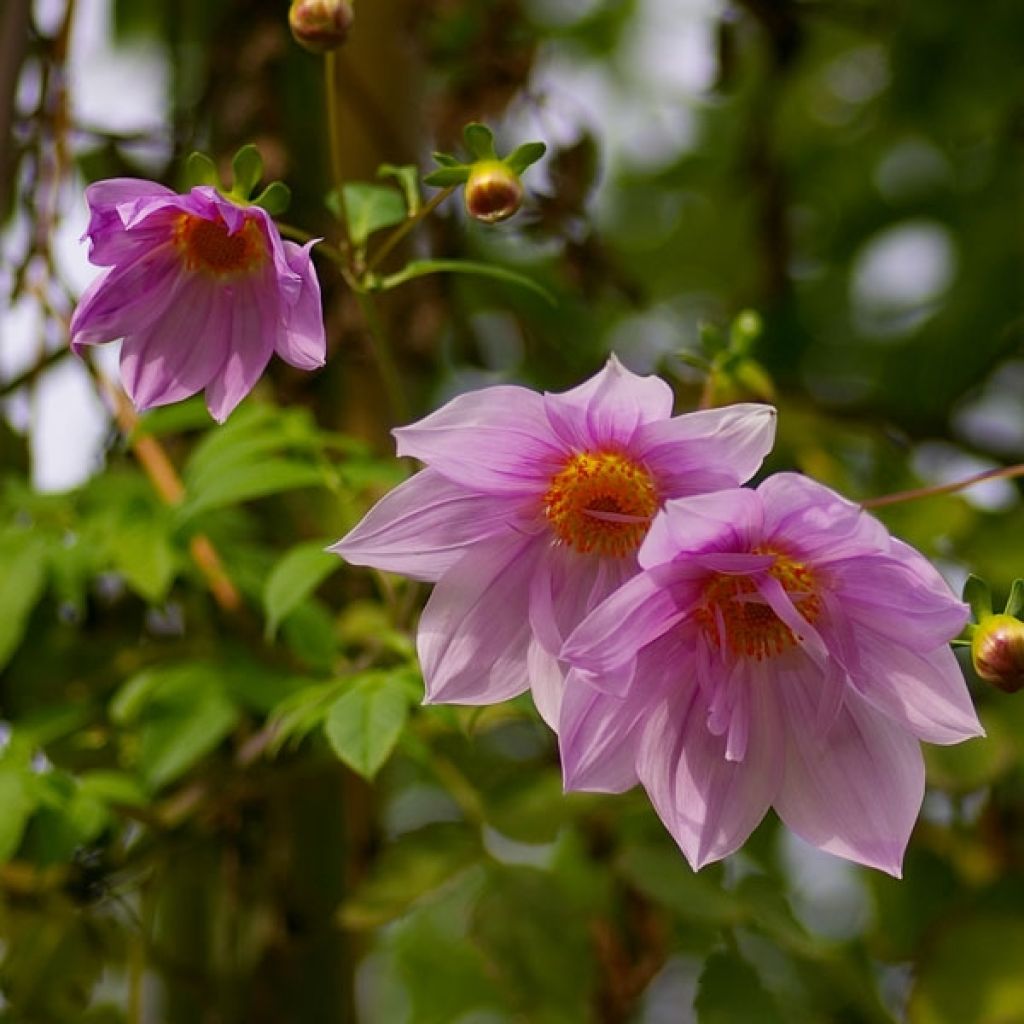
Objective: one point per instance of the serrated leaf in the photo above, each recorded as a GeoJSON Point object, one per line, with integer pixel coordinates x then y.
{"type": "Point", "coordinates": [408, 178]}
{"type": "Point", "coordinates": [443, 177]}
{"type": "Point", "coordinates": [978, 595]}
{"type": "Point", "coordinates": [293, 579]}
{"type": "Point", "coordinates": [421, 268]}
{"type": "Point", "coordinates": [524, 156]}
{"type": "Point", "coordinates": [364, 723]}
{"type": "Point", "coordinates": [22, 581]}
{"type": "Point", "coordinates": [1015, 602]}
{"type": "Point", "coordinates": [479, 141]}
{"type": "Point", "coordinates": [247, 167]}
{"type": "Point", "coordinates": [275, 198]}
{"type": "Point", "coordinates": [200, 170]}
{"type": "Point", "coordinates": [371, 208]}
{"type": "Point", "coordinates": [729, 991]}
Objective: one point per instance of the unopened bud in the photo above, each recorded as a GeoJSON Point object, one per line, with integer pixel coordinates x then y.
{"type": "Point", "coordinates": [493, 191]}
{"type": "Point", "coordinates": [320, 25]}
{"type": "Point", "coordinates": [997, 650]}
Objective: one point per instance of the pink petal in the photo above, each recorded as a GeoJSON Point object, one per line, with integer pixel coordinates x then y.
{"type": "Point", "coordinates": [924, 693]}
{"type": "Point", "coordinates": [424, 526]}
{"type": "Point", "coordinates": [710, 804]}
{"type": "Point", "coordinates": [179, 353]}
{"type": "Point", "coordinates": [475, 630]}
{"type": "Point", "coordinates": [707, 451]}
{"type": "Point", "coordinates": [248, 316]}
{"type": "Point", "coordinates": [495, 440]}
{"type": "Point", "coordinates": [301, 341]}
{"type": "Point", "coordinates": [727, 521]}
{"type": "Point", "coordinates": [887, 596]}
{"type": "Point", "coordinates": [811, 520]}
{"type": "Point", "coordinates": [856, 791]}
{"type": "Point", "coordinates": [547, 682]}
{"type": "Point", "coordinates": [607, 410]}
{"type": "Point", "coordinates": [644, 608]}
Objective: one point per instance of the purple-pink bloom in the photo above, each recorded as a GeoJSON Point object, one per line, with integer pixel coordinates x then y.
{"type": "Point", "coordinates": [779, 649]}
{"type": "Point", "coordinates": [202, 290]}
{"type": "Point", "coordinates": [529, 513]}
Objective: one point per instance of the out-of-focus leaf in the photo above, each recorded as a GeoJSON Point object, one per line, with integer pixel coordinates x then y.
{"type": "Point", "coordinates": [408, 871]}
{"type": "Point", "coordinates": [364, 723]}
{"type": "Point", "coordinates": [965, 767]}
{"type": "Point", "coordinates": [309, 632]}
{"type": "Point", "coordinates": [22, 580]}
{"type": "Point", "coordinates": [664, 876]}
{"type": "Point", "coordinates": [247, 167]}
{"type": "Point", "coordinates": [255, 480]}
{"type": "Point", "coordinates": [529, 809]}
{"type": "Point", "coordinates": [18, 801]}
{"type": "Point", "coordinates": [730, 992]}
{"type": "Point", "coordinates": [182, 713]}
{"type": "Point", "coordinates": [144, 555]}
{"type": "Point", "coordinates": [408, 178]}
{"type": "Point", "coordinates": [371, 208]}
{"type": "Point", "coordinates": [972, 973]}
{"type": "Point", "coordinates": [293, 579]}
{"type": "Point", "coordinates": [275, 198]}
{"type": "Point", "coordinates": [421, 268]}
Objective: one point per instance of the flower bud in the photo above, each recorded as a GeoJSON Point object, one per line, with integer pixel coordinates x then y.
{"type": "Point", "coordinates": [320, 25]}
{"type": "Point", "coordinates": [997, 650]}
{"type": "Point", "coordinates": [493, 191]}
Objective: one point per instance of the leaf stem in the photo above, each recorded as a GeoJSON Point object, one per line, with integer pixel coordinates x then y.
{"type": "Point", "coordinates": [406, 226]}
{"type": "Point", "coordinates": [384, 355]}
{"type": "Point", "coordinates": [1001, 473]}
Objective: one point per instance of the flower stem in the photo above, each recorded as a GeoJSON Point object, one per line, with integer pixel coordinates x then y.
{"type": "Point", "coordinates": [406, 226]}
{"type": "Point", "coordinates": [1002, 473]}
{"type": "Point", "coordinates": [384, 355]}
{"type": "Point", "coordinates": [334, 137]}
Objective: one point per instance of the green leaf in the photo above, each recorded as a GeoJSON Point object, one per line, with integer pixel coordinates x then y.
{"type": "Point", "coordinates": [364, 723]}
{"type": "Point", "coordinates": [182, 712]}
{"type": "Point", "coordinates": [1015, 602]}
{"type": "Point", "coordinates": [479, 141]}
{"type": "Point", "coordinates": [22, 581]}
{"type": "Point", "coordinates": [144, 555]}
{"type": "Point", "coordinates": [445, 176]}
{"type": "Point", "coordinates": [978, 596]}
{"type": "Point", "coordinates": [18, 802]}
{"type": "Point", "coordinates": [293, 579]}
{"type": "Point", "coordinates": [200, 170]}
{"type": "Point", "coordinates": [447, 160]}
{"type": "Point", "coordinates": [247, 167]}
{"type": "Point", "coordinates": [408, 178]}
{"type": "Point", "coordinates": [730, 992]}
{"type": "Point", "coordinates": [275, 198]}
{"type": "Point", "coordinates": [523, 156]}
{"type": "Point", "coordinates": [252, 480]}
{"type": "Point", "coordinates": [421, 268]}
{"type": "Point", "coordinates": [371, 208]}
{"type": "Point", "coordinates": [310, 635]}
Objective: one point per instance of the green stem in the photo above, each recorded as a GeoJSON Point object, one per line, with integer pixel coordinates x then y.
{"type": "Point", "coordinates": [1002, 473]}
{"type": "Point", "coordinates": [334, 138]}
{"type": "Point", "coordinates": [405, 227]}
{"type": "Point", "coordinates": [385, 356]}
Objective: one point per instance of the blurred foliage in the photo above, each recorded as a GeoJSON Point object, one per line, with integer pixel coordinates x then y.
{"type": "Point", "coordinates": [214, 815]}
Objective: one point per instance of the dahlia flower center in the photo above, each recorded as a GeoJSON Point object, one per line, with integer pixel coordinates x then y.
{"type": "Point", "coordinates": [206, 245]}
{"type": "Point", "coordinates": [735, 616]}
{"type": "Point", "coordinates": [601, 502]}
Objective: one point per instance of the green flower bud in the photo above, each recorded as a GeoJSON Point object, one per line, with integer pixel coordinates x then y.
{"type": "Point", "coordinates": [320, 25]}
{"type": "Point", "coordinates": [493, 191]}
{"type": "Point", "coordinates": [997, 650]}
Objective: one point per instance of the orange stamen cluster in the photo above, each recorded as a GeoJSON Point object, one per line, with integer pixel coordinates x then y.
{"type": "Point", "coordinates": [205, 245]}
{"type": "Point", "coordinates": [735, 617]}
{"type": "Point", "coordinates": [601, 502]}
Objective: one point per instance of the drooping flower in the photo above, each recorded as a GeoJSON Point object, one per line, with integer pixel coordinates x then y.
{"type": "Point", "coordinates": [530, 512]}
{"type": "Point", "coordinates": [202, 290]}
{"type": "Point", "coordinates": [779, 649]}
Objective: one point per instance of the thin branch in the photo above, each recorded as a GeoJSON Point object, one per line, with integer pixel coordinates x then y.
{"type": "Point", "coordinates": [1002, 473]}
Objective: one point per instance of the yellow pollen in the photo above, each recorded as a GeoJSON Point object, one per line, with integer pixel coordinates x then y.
{"type": "Point", "coordinates": [733, 614]}
{"type": "Point", "coordinates": [206, 245]}
{"type": "Point", "coordinates": [601, 502]}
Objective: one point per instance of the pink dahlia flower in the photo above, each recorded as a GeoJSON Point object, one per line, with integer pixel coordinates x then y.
{"type": "Point", "coordinates": [202, 290]}
{"type": "Point", "coordinates": [530, 512]}
{"type": "Point", "coordinates": [779, 649]}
